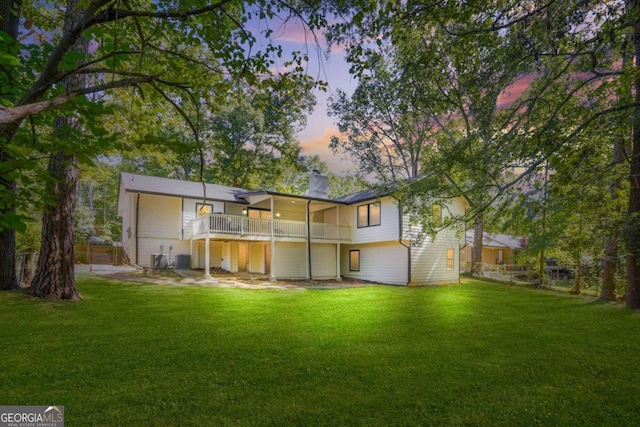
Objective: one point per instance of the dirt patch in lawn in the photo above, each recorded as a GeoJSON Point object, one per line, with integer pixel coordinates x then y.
{"type": "Point", "coordinates": [224, 279]}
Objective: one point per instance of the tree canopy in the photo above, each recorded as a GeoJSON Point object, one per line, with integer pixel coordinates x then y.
{"type": "Point", "coordinates": [186, 54]}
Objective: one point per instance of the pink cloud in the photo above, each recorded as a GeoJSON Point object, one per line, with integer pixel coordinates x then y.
{"type": "Point", "coordinates": [512, 93]}
{"type": "Point", "coordinates": [320, 146]}
{"type": "Point", "coordinates": [296, 32]}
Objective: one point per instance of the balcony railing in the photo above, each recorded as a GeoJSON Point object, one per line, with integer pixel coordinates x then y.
{"type": "Point", "coordinates": [233, 225]}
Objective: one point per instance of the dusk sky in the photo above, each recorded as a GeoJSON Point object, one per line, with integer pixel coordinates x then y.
{"type": "Point", "coordinates": [315, 138]}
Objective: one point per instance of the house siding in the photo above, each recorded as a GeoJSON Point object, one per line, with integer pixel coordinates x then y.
{"type": "Point", "coordinates": [379, 262]}
{"type": "Point", "coordinates": [323, 261]}
{"type": "Point", "coordinates": [160, 217]}
{"type": "Point", "coordinates": [290, 260]}
{"type": "Point", "coordinates": [229, 260]}
{"type": "Point", "coordinates": [429, 262]}
{"type": "Point", "coordinates": [234, 208]}
{"type": "Point", "coordinates": [388, 230]}
{"type": "Point", "coordinates": [215, 254]}
{"type": "Point", "coordinates": [429, 259]}
{"type": "Point", "coordinates": [189, 212]}
{"type": "Point", "coordinates": [148, 246]}
{"type": "Point", "coordinates": [257, 258]}
{"type": "Point", "coordinates": [128, 226]}
{"type": "Point", "coordinates": [151, 238]}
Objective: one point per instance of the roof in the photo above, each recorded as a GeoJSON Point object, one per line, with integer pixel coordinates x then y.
{"type": "Point", "coordinates": [130, 182]}
{"type": "Point", "coordinates": [494, 240]}
{"type": "Point", "coordinates": [381, 190]}
{"type": "Point", "coordinates": [297, 196]}
{"type": "Point", "coordinates": [175, 187]}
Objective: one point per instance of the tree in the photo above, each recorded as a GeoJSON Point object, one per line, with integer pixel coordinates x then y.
{"type": "Point", "coordinates": [250, 142]}
{"type": "Point", "coordinates": [165, 49]}
{"type": "Point", "coordinates": [435, 111]}
{"type": "Point", "coordinates": [54, 276]}
{"type": "Point", "coordinates": [632, 16]}
{"type": "Point", "coordinates": [385, 134]}
{"type": "Point", "coordinates": [9, 20]}
{"type": "Point", "coordinates": [572, 49]}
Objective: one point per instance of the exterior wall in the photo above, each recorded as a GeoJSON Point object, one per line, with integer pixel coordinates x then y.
{"type": "Point", "coordinates": [388, 230]}
{"type": "Point", "coordinates": [243, 256]}
{"type": "Point", "coordinates": [129, 226]}
{"type": "Point", "coordinates": [323, 261]}
{"type": "Point", "coordinates": [347, 216]}
{"type": "Point", "coordinates": [160, 227]}
{"type": "Point", "coordinates": [290, 260]}
{"type": "Point", "coordinates": [234, 208]}
{"type": "Point", "coordinates": [379, 262]}
{"type": "Point", "coordinates": [330, 215]}
{"type": "Point", "coordinates": [489, 256]}
{"type": "Point", "coordinates": [326, 216]}
{"type": "Point", "coordinates": [429, 259]}
{"type": "Point", "coordinates": [291, 211]}
{"type": "Point", "coordinates": [215, 254]}
{"type": "Point", "coordinates": [189, 212]}
{"type": "Point", "coordinates": [429, 262]}
{"type": "Point", "coordinates": [257, 258]}
{"type": "Point", "coordinates": [148, 246]}
{"type": "Point", "coordinates": [230, 256]}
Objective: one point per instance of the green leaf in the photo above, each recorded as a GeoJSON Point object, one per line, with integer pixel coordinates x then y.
{"type": "Point", "coordinates": [9, 60]}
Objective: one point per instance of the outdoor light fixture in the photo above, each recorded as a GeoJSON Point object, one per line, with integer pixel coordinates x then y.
{"type": "Point", "coordinates": [277, 214]}
{"type": "Point", "coordinates": [244, 211]}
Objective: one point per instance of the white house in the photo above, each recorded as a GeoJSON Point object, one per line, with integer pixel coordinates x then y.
{"type": "Point", "coordinates": [362, 235]}
{"type": "Point", "coordinates": [497, 249]}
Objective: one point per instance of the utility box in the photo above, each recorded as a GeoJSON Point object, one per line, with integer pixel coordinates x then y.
{"type": "Point", "coordinates": [159, 261]}
{"type": "Point", "coordinates": [183, 261]}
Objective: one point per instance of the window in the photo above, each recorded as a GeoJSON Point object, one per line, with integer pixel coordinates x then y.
{"type": "Point", "coordinates": [451, 258]}
{"type": "Point", "coordinates": [202, 209]}
{"type": "Point", "coordinates": [369, 214]}
{"type": "Point", "coordinates": [259, 213]}
{"type": "Point", "coordinates": [354, 260]}
{"type": "Point", "coordinates": [437, 214]}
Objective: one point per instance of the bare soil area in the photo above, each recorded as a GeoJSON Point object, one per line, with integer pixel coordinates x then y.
{"type": "Point", "coordinates": [222, 278]}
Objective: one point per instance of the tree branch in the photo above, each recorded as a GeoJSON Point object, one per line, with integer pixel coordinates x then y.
{"type": "Point", "coordinates": [114, 14]}
{"type": "Point", "coordinates": [17, 113]}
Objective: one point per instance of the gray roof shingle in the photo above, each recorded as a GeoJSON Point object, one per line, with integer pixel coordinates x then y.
{"type": "Point", "coordinates": [174, 187]}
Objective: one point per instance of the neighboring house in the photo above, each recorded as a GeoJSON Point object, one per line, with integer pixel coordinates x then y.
{"type": "Point", "coordinates": [497, 249]}
{"type": "Point", "coordinates": [285, 236]}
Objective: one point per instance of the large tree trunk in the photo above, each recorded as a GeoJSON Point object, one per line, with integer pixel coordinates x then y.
{"type": "Point", "coordinates": [476, 254]}
{"type": "Point", "coordinates": [610, 268]}
{"type": "Point", "coordinates": [577, 284]}
{"type": "Point", "coordinates": [8, 280]}
{"type": "Point", "coordinates": [609, 281]}
{"type": "Point", "coordinates": [54, 277]}
{"type": "Point", "coordinates": [9, 20]}
{"type": "Point", "coordinates": [633, 211]}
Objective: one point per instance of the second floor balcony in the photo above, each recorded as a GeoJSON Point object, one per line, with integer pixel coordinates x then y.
{"type": "Point", "coordinates": [241, 227]}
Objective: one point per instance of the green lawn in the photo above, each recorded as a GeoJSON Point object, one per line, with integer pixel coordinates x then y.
{"type": "Point", "coordinates": [470, 354]}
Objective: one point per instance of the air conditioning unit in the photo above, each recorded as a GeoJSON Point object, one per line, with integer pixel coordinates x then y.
{"type": "Point", "coordinates": [183, 261]}
{"type": "Point", "coordinates": [159, 261]}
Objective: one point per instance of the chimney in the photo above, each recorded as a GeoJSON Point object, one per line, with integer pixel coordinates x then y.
{"type": "Point", "coordinates": [318, 186]}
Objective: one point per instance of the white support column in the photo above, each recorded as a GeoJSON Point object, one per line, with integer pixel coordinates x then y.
{"type": "Point", "coordinates": [272, 269]}
{"type": "Point", "coordinates": [207, 261]}
{"type": "Point", "coordinates": [191, 253]}
{"type": "Point", "coordinates": [338, 277]}
{"type": "Point", "coordinates": [307, 274]}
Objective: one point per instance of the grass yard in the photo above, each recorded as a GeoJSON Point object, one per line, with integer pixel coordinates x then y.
{"type": "Point", "coordinates": [470, 354]}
